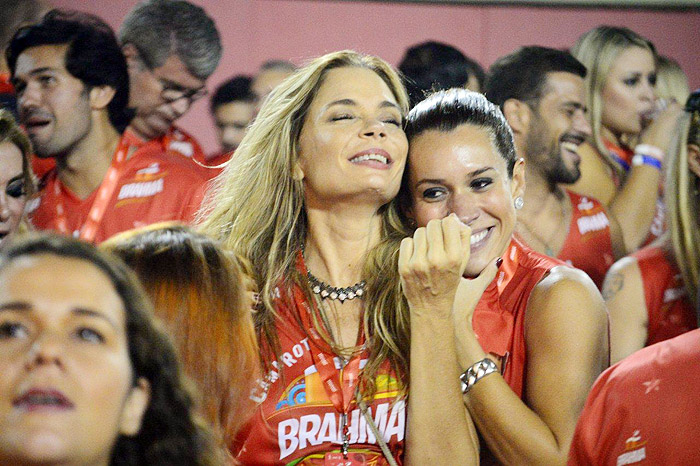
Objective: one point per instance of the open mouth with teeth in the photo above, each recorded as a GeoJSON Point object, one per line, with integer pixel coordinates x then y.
{"type": "Point", "coordinates": [571, 143]}
{"type": "Point", "coordinates": [479, 238]}
{"type": "Point", "coordinates": [369, 158]}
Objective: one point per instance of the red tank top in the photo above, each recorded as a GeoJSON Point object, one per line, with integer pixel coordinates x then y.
{"type": "Point", "coordinates": [588, 246]}
{"type": "Point", "coordinates": [295, 422]}
{"type": "Point", "coordinates": [499, 317]}
{"type": "Point", "coordinates": [670, 313]}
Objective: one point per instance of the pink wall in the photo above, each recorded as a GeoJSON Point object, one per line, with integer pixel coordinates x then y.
{"type": "Point", "coordinates": [254, 31]}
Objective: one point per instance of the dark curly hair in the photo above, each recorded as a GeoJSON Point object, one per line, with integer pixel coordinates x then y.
{"type": "Point", "coordinates": [170, 434]}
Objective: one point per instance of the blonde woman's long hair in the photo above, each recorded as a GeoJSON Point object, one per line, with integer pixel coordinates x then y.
{"type": "Point", "coordinates": [681, 197]}
{"type": "Point", "coordinates": [256, 209]}
{"type": "Point", "coordinates": [598, 49]}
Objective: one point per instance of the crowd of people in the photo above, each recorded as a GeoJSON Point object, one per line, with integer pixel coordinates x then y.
{"type": "Point", "coordinates": [433, 264]}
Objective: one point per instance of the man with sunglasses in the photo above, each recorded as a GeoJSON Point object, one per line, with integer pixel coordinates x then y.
{"type": "Point", "coordinates": [72, 90]}
{"type": "Point", "coordinates": [171, 48]}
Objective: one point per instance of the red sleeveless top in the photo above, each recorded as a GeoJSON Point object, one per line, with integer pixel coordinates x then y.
{"type": "Point", "coordinates": [669, 310]}
{"type": "Point", "coordinates": [588, 246]}
{"type": "Point", "coordinates": [499, 317]}
{"type": "Point", "coordinates": [296, 422]}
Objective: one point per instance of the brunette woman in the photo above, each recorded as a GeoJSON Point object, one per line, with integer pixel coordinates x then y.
{"type": "Point", "coordinates": [538, 337]}
{"type": "Point", "coordinates": [87, 376]}
{"type": "Point", "coordinates": [621, 164]}
{"type": "Point", "coordinates": [308, 201]}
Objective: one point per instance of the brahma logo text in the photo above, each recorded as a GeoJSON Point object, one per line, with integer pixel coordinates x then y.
{"type": "Point", "coordinates": [314, 429]}
{"type": "Point", "coordinates": [146, 189]}
{"type": "Point", "coordinates": [635, 451]}
{"type": "Point", "coordinates": [592, 223]}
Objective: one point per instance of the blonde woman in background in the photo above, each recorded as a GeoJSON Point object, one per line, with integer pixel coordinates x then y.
{"type": "Point", "coordinates": [16, 178]}
{"type": "Point", "coordinates": [652, 294]}
{"type": "Point", "coordinates": [309, 202]}
{"type": "Point", "coordinates": [622, 110]}
{"type": "Point", "coordinates": [671, 81]}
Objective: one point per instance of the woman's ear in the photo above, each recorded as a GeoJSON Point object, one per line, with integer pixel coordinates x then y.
{"type": "Point", "coordinates": [517, 182]}
{"type": "Point", "coordinates": [297, 172]}
{"type": "Point", "coordinates": [694, 159]}
{"type": "Point", "coordinates": [134, 408]}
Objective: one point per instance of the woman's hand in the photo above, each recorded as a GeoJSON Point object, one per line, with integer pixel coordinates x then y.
{"type": "Point", "coordinates": [431, 265]}
{"type": "Point", "coordinates": [469, 293]}
{"type": "Point", "coordinates": [661, 129]}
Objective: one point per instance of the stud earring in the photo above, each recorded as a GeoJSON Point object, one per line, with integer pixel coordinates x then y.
{"type": "Point", "coordinates": [518, 203]}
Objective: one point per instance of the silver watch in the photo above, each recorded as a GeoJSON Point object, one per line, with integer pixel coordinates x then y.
{"type": "Point", "coordinates": [476, 372]}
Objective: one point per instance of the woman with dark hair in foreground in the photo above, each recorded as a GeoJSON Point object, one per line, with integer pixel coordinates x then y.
{"type": "Point", "coordinates": [87, 375]}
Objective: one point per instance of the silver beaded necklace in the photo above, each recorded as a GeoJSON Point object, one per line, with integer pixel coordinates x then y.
{"type": "Point", "coordinates": [326, 291]}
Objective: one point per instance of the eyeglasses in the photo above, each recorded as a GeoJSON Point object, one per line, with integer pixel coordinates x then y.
{"type": "Point", "coordinates": [171, 93]}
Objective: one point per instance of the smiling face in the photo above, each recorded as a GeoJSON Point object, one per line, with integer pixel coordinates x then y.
{"type": "Point", "coordinates": [352, 142]}
{"type": "Point", "coordinates": [66, 390]}
{"type": "Point", "coordinates": [12, 194]}
{"type": "Point", "coordinates": [461, 172]}
{"type": "Point", "coordinates": [628, 92]}
{"type": "Point", "coordinates": [558, 126]}
{"type": "Point", "coordinates": [53, 105]}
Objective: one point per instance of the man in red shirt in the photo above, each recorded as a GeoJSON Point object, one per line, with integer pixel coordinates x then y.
{"type": "Point", "coordinates": [171, 48]}
{"type": "Point", "coordinates": [644, 409]}
{"type": "Point", "coordinates": [72, 92]}
{"type": "Point", "coordinates": [541, 92]}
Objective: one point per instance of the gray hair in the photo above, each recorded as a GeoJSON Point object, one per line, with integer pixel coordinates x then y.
{"type": "Point", "coordinates": [159, 28]}
{"type": "Point", "coordinates": [14, 14]}
{"type": "Point", "coordinates": [278, 65]}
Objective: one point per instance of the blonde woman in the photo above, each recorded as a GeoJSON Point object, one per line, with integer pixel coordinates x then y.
{"type": "Point", "coordinates": [671, 81]}
{"type": "Point", "coordinates": [652, 294]}
{"type": "Point", "coordinates": [16, 178]}
{"type": "Point", "coordinates": [308, 201]}
{"type": "Point", "coordinates": [622, 106]}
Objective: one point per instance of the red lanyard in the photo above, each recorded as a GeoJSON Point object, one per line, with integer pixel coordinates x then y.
{"type": "Point", "coordinates": [340, 386]}
{"type": "Point", "coordinates": [104, 193]}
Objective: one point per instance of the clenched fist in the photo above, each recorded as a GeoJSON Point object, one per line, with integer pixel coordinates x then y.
{"type": "Point", "coordinates": [432, 263]}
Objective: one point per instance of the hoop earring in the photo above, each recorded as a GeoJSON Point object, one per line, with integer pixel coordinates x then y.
{"type": "Point", "coordinates": [518, 203]}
